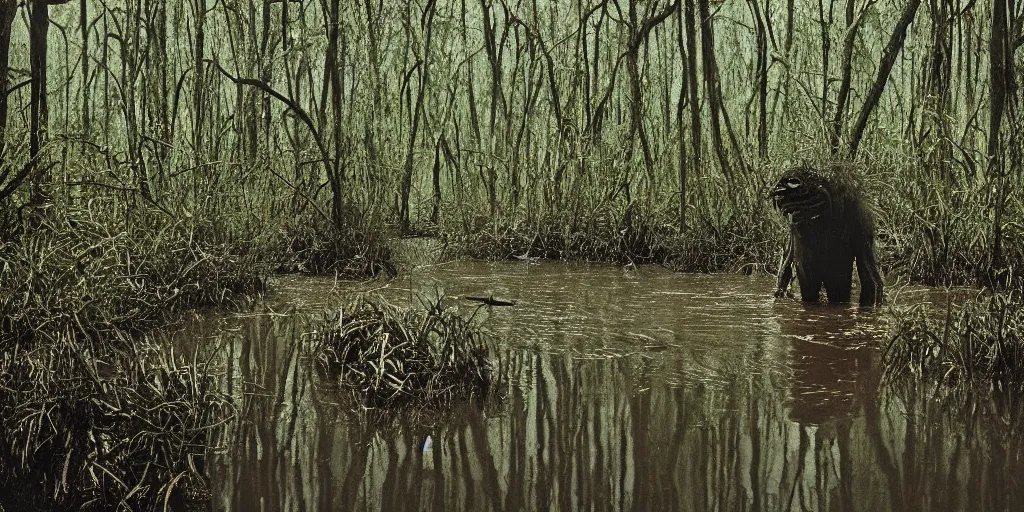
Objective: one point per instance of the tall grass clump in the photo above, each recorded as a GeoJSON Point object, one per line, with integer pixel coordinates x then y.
{"type": "Point", "coordinates": [93, 415]}
{"type": "Point", "coordinates": [355, 247]}
{"type": "Point", "coordinates": [981, 341]}
{"type": "Point", "coordinates": [936, 225]}
{"type": "Point", "coordinates": [727, 237]}
{"type": "Point", "coordinates": [391, 356]}
{"type": "Point", "coordinates": [104, 426]}
{"type": "Point", "coordinates": [78, 272]}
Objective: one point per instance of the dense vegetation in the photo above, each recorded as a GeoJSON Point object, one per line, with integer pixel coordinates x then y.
{"type": "Point", "coordinates": [604, 130]}
{"type": "Point", "coordinates": [162, 156]}
{"type": "Point", "coordinates": [391, 356]}
{"type": "Point", "coordinates": [980, 341]}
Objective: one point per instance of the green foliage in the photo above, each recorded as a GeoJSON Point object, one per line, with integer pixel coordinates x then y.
{"type": "Point", "coordinates": [95, 426]}
{"type": "Point", "coordinates": [980, 341]}
{"type": "Point", "coordinates": [391, 356]}
{"type": "Point", "coordinates": [80, 274]}
{"type": "Point", "coordinates": [93, 415]}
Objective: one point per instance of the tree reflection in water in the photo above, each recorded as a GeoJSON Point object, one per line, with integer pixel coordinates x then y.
{"type": "Point", "coordinates": [797, 421]}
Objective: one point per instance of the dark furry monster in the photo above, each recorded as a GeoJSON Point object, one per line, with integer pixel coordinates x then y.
{"type": "Point", "coordinates": [829, 228]}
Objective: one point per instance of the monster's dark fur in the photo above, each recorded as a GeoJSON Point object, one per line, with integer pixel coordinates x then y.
{"type": "Point", "coordinates": [830, 227]}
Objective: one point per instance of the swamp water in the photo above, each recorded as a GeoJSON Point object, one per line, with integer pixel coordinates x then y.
{"type": "Point", "coordinates": [627, 389]}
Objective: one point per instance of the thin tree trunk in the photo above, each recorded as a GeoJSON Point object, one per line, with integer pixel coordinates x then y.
{"type": "Point", "coordinates": [1000, 90]}
{"type": "Point", "coordinates": [198, 96]}
{"type": "Point", "coordinates": [711, 88]}
{"type": "Point", "coordinates": [762, 80]}
{"type": "Point", "coordinates": [826, 51]}
{"type": "Point", "coordinates": [334, 71]}
{"type": "Point", "coordinates": [266, 71]}
{"type": "Point", "coordinates": [852, 24]}
{"type": "Point", "coordinates": [691, 63]}
{"type": "Point", "coordinates": [937, 84]}
{"type": "Point", "coordinates": [8, 10]}
{"type": "Point", "coordinates": [636, 98]}
{"type": "Point", "coordinates": [39, 25]}
{"type": "Point", "coordinates": [892, 50]}
{"type": "Point", "coordinates": [83, 20]}
{"type": "Point", "coordinates": [474, 117]}
{"type": "Point", "coordinates": [435, 212]}
{"type": "Point", "coordinates": [424, 63]}
{"type": "Point", "coordinates": [681, 103]}
{"type": "Point", "coordinates": [787, 64]}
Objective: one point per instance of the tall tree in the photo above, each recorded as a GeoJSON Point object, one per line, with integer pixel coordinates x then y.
{"type": "Point", "coordinates": [83, 21]}
{"type": "Point", "coordinates": [639, 30]}
{"type": "Point", "coordinates": [692, 83]}
{"type": "Point", "coordinates": [1001, 91]}
{"type": "Point", "coordinates": [761, 37]}
{"type": "Point", "coordinates": [39, 26]}
{"type": "Point", "coordinates": [423, 63]}
{"type": "Point", "coordinates": [845, 83]}
{"type": "Point", "coordinates": [711, 86]}
{"type": "Point", "coordinates": [199, 80]}
{"type": "Point", "coordinates": [889, 54]}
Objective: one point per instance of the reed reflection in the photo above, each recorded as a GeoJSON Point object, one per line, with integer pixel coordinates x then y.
{"type": "Point", "coordinates": [795, 421]}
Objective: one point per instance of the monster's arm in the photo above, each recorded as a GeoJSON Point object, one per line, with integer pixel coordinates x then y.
{"type": "Point", "coordinates": [785, 271]}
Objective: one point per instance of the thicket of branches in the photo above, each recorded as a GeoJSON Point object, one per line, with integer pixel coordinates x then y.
{"type": "Point", "coordinates": [455, 115]}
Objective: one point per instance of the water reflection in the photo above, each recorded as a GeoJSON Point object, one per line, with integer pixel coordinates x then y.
{"type": "Point", "coordinates": [630, 391]}
{"type": "Point", "coordinates": [833, 358]}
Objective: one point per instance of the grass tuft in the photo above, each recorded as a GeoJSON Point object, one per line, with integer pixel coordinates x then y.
{"type": "Point", "coordinates": [77, 273]}
{"type": "Point", "coordinates": [99, 426]}
{"type": "Point", "coordinates": [358, 248]}
{"type": "Point", "coordinates": [93, 415]}
{"type": "Point", "coordinates": [392, 356]}
{"type": "Point", "coordinates": [981, 341]}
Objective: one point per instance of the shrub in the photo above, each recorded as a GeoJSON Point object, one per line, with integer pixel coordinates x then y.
{"type": "Point", "coordinates": [392, 356]}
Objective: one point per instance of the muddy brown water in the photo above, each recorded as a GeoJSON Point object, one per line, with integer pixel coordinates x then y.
{"type": "Point", "coordinates": [628, 389]}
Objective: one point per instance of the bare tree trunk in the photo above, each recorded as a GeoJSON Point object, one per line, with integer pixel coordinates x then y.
{"type": "Point", "coordinates": [427, 20]}
{"type": "Point", "coordinates": [83, 20]}
{"type": "Point", "coordinates": [691, 63]}
{"type": "Point", "coordinates": [198, 96]}
{"type": "Point", "coordinates": [435, 212]}
{"type": "Point", "coordinates": [681, 103]}
{"type": "Point", "coordinates": [1001, 88]}
{"type": "Point", "coordinates": [373, 50]}
{"type": "Point", "coordinates": [825, 24]}
{"type": "Point", "coordinates": [892, 50]}
{"type": "Point", "coordinates": [847, 75]}
{"type": "Point", "coordinates": [157, 57]}
{"type": "Point", "coordinates": [265, 75]}
{"type": "Point", "coordinates": [636, 100]}
{"type": "Point", "coordinates": [787, 54]}
{"type": "Point", "coordinates": [8, 9]}
{"type": "Point", "coordinates": [334, 72]}
{"type": "Point", "coordinates": [39, 25]}
{"type": "Point", "coordinates": [711, 87]}
{"type": "Point", "coordinates": [497, 98]}
{"type": "Point", "coordinates": [762, 79]}
{"type": "Point", "coordinates": [937, 83]}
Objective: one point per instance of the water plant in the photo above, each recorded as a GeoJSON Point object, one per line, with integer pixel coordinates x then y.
{"type": "Point", "coordinates": [94, 414]}
{"type": "Point", "coordinates": [102, 425]}
{"type": "Point", "coordinates": [394, 356]}
{"type": "Point", "coordinates": [980, 341]}
{"type": "Point", "coordinates": [76, 272]}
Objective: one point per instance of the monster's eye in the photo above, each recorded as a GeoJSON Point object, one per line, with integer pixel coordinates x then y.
{"type": "Point", "coordinates": [792, 182]}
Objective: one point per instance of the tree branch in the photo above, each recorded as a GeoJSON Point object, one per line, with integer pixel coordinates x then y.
{"type": "Point", "coordinates": [294, 107]}
{"type": "Point", "coordinates": [892, 50]}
